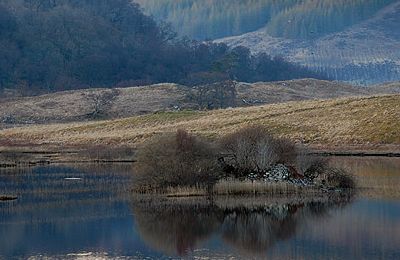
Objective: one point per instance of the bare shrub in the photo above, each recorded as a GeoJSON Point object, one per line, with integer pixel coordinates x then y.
{"type": "Point", "coordinates": [286, 150]}
{"type": "Point", "coordinates": [213, 96]}
{"type": "Point", "coordinates": [254, 149]}
{"type": "Point", "coordinates": [100, 102]}
{"type": "Point", "coordinates": [175, 160]}
{"type": "Point", "coordinates": [336, 178]}
{"type": "Point", "coordinates": [310, 166]}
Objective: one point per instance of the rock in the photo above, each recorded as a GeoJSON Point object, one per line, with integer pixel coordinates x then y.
{"type": "Point", "coordinates": [7, 198]}
{"type": "Point", "coordinates": [8, 119]}
{"type": "Point", "coordinates": [252, 176]}
{"type": "Point", "coordinates": [278, 172]}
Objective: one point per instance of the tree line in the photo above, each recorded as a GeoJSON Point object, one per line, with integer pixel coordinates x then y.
{"type": "Point", "coordinates": [54, 45]}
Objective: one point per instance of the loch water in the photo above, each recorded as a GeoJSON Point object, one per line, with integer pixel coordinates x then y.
{"type": "Point", "coordinates": [87, 211]}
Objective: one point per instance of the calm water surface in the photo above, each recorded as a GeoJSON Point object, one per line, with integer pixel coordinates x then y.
{"type": "Point", "coordinates": [80, 211]}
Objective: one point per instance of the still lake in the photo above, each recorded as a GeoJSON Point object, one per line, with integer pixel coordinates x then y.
{"type": "Point", "coordinates": [85, 211]}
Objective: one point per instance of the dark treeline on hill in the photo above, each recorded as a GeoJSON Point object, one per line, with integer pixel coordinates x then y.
{"type": "Point", "coordinates": [53, 45]}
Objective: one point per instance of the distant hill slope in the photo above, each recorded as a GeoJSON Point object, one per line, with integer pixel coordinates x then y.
{"type": "Point", "coordinates": [390, 88]}
{"type": "Point", "coordinates": [85, 105]}
{"type": "Point", "coordinates": [369, 120]}
{"type": "Point", "coordinates": [212, 19]}
{"type": "Point", "coordinates": [366, 53]}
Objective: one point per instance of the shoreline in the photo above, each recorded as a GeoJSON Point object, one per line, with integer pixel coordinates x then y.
{"type": "Point", "coordinates": [34, 157]}
{"type": "Point", "coordinates": [355, 154]}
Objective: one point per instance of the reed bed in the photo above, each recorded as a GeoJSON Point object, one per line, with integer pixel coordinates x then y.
{"type": "Point", "coordinates": [237, 187]}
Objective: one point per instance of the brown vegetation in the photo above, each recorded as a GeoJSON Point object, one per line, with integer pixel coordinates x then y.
{"type": "Point", "coordinates": [175, 160]}
{"type": "Point", "coordinates": [251, 160]}
{"type": "Point", "coordinates": [123, 102]}
{"type": "Point", "coordinates": [336, 178]}
{"type": "Point", "coordinates": [253, 149]}
{"type": "Point", "coordinates": [357, 121]}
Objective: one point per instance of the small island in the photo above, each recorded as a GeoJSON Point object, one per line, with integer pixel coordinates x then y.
{"type": "Point", "coordinates": [249, 160]}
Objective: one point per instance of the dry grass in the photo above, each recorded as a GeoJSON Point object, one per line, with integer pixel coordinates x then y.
{"type": "Point", "coordinates": [76, 105]}
{"type": "Point", "coordinates": [185, 192]}
{"type": "Point", "coordinates": [344, 121]}
{"type": "Point", "coordinates": [237, 187]}
{"type": "Point", "coordinates": [300, 89]}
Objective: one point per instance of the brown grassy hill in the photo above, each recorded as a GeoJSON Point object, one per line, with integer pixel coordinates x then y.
{"type": "Point", "coordinates": [370, 120]}
{"type": "Point", "coordinates": [85, 105]}
{"type": "Point", "coordinates": [388, 88]}
{"type": "Point", "coordinates": [296, 90]}
{"type": "Point", "coordinates": [81, 105]}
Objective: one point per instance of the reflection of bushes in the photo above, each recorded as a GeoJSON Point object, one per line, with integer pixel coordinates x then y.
{"type": "Point", "coordinates": [177, 226]}
{"type": "Point", "coordinates": [258, 230]}
{"type": "Point", "coordinates": [176, 160]}
{"type": "Point", "coordinates": [176, 229]}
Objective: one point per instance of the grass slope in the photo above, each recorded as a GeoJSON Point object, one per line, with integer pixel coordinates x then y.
{"type": "Point", "coordinates": [344, 121]}
{"type": "Point", "coordinates": [70, 106]}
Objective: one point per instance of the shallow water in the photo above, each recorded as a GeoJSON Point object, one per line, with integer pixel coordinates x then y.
{"type": "Point", "coordinates": [81, 211]}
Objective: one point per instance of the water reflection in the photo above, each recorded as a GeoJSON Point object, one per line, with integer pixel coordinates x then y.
{"type": "Point", "coordinates": [178, 227]}
{"type": "Point", "coordinates": [53, 215]}
{"type": "Point", "coordinates": [377, 177]}
{"type": "Point", "coordinates": [96, 217]}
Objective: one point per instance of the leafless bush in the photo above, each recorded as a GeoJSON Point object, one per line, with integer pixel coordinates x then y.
{"type": "Point", "coordinates": [310, 166]}
{"type": "Point", "coordinates": [254, 149]}
{"type": "Point", "coordinates": [101, 102]}
{"type": "Point", "coordinates": [176, 160]}
{"type": "Point", "coordinates": [337, 178]}
{"type": "Point", "coordinates": [286, 150]}
{"type": "Point", "coordinates": [213, 96]}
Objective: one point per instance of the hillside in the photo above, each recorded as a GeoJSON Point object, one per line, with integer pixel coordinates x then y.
{"type": "Point", "coordinates": [349, 54]}
{"type": "Point", "coordinates": [49, 46]}
{"type": "Point", "coordinates": [343, 122]}
{"type": "Point", "coordinates": [84, 105]}
{"type": "Point", "coordinates": [390, 88]}
{"type": "Point", "coordinates": [212, 19]}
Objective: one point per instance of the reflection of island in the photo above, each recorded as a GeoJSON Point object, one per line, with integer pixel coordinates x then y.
{"type": "Point", "coordinates": [176, 227]}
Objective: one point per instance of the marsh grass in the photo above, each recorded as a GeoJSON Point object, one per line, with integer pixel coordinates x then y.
{"type": "Point", "coordinates": [305, 121]}
{"type": "Point", "coordinates": [236, 187]}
